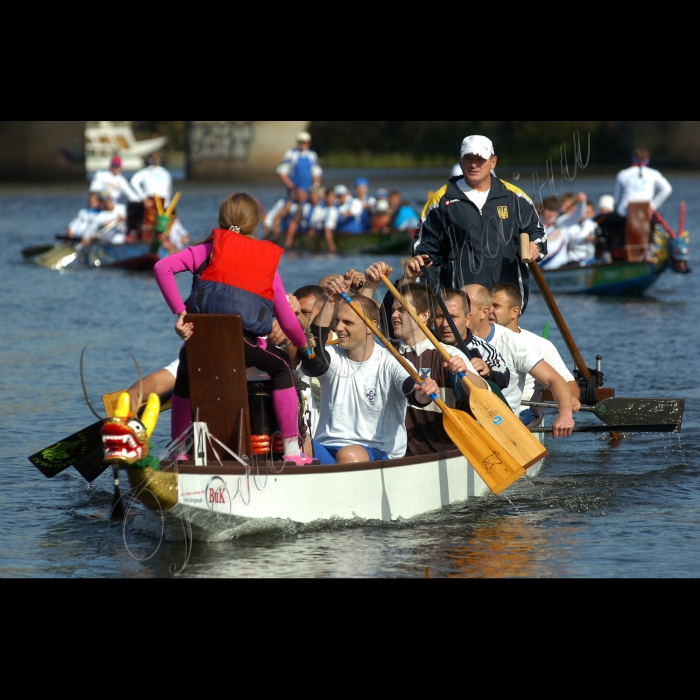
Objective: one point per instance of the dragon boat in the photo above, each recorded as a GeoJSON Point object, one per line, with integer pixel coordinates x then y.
{"type": "Point", "coordinates": [638, 258]}
{"type": "Point", "coordinates": [232, 480]}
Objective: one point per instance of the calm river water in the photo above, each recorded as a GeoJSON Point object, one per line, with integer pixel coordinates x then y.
{"type": "Point", "coordinates": [597, 509]}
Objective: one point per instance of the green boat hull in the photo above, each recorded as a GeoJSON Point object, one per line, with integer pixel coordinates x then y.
{"type": "Point", "coordinates": [393, 243]}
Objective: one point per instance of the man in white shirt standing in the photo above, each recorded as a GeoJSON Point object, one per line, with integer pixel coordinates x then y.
{"type": "Point", "coordinates": [112, 179]}
{"type": "Point", "coordinates": [153, 180]}
{"type": "Point", "coordinates": [505, 311]}
{"type": "Point", "coordinates": [640, 183]}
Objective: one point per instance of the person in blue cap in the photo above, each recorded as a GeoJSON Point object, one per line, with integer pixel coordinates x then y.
{"type": "Point", "coordinates": [368, 202]}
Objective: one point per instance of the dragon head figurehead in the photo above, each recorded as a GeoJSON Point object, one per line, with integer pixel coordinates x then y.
{"type": "Point", "coordinates": [125, 437]}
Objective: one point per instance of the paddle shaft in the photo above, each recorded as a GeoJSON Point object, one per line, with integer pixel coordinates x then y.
{"type": "Point", "coordinates": [554, 309]}
{"type": "Point", "coordinates": [461, 344]}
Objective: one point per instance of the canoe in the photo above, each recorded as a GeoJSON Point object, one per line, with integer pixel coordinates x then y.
{"type": "Point", "coordinates": [611, 279]}
{"type": "Point", "coordinates": [370, 243]}
{"type": "Point", "coordinates": [228, 484]}
{"type": "Point", "coordinates": [131, 256]}
{"type": "Point", "coordinates": [622, 277]}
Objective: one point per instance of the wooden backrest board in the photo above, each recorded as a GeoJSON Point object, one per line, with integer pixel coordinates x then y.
{"type": "Point", "coordinates": [638, 230]}
{"type": "Point", "coordinates": [218, 386]}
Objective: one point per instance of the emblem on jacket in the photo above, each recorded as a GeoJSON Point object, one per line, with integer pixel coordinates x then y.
{"type": "Point", "coordinates": [424, 372]}
{"type": "Point", "coordinates": [502, 212]}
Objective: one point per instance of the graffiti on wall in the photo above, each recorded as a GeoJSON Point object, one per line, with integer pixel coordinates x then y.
{"type": "Point", "coordinates": [229, 141]}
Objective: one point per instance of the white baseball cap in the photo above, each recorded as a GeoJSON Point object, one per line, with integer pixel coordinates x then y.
{"type": "Point", "coordinates": [607, 201]}
{"type": "Point", "coordinates": [303, 137]}
{"type": "Point", "coordinates": [340, 190]}
{"type": "Point", "coordinates": [478, 146]}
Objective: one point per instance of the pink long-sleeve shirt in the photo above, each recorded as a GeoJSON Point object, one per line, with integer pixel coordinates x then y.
{"type": "Point", "coordinates": [191, 259]}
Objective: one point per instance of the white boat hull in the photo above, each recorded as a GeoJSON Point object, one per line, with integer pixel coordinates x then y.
{"type": "Point", "coordinates": [223, 503]}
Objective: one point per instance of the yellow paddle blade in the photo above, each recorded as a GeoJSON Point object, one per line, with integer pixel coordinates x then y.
{"type": "Point", "coordinates": [505, 428]}
{"type": "Point", "coordinates": [494, 465]}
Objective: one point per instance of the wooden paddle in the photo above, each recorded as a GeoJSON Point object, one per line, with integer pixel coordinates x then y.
{"type": "Point", "coordinates": [552, 306]}
{"type": "Point", "coordinates": [495, 466]}
{"type": "Point", "coordinates": [82, 450]}
{"type": "Point", "coordinates": [495, 418]}
{"type": "Point", "coordinates": [622, 411]}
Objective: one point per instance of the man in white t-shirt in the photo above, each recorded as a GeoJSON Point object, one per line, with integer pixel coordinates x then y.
{"type": "Point", "coordinates": [522, 359]}
{"type": "Point", "coordinates": [424, 424]}
{"type": "Point", "coordinates": [364, 390]}
{"type": "Point", "coordinates": [153, 180]}
{"type": "Point", "coordinates": [112, 179]}
{"type": "Point", "coordinates": [640, 183]}
{"type": "Point", "coordinates": [505, 311]}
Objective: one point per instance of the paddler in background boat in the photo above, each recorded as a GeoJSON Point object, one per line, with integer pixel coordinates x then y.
{"type": "Point", "coordinates": [522, 359]}
{"type": "Point", "coordinates": [236, 273]}
{"type": "Point", "coordinates": [559, 233]}
{"type": "Point", "coordinates": [109, 225]}
{"type": "Point", "coordinates": [364, 391]}
{"type": "Point", "coordinates": [368, 202]}
{"type": "Point", "coordinates": [350, 211]}
{"type": "Point", "coordinates": [505, 311]}
{"type": "Point", "coordinates": [470, 228]}
{"type": "Point", "coordinates": [582, 243]}
{"type": "Point", "coordinates": [112, 179]}
{"type": "Point", "coordinates": [85, 221]}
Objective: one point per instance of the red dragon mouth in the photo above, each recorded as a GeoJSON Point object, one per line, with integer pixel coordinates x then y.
{"type": "Point", "coordinates": [122, 443]}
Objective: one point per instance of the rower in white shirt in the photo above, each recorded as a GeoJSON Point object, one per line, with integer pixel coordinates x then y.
{"type": "Point", "coordinates": [112, 179]}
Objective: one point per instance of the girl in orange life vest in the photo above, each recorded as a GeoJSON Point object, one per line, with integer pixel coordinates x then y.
{"type": "Point", "coordinates": [236, 273]}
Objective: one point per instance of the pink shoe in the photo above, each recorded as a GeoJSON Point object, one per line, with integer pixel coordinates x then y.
{"type": "Point", "coordinates": [301, 460]}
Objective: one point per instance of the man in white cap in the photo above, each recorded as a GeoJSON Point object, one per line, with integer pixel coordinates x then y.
{"type": "Point", "coordinates": [299, 166]}
{"type": "Point", "coordinates": [470, 228]}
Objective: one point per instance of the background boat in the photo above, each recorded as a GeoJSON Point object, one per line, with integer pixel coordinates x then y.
{"type": "Point", "coordinates": [370, 243]}
{"type": "Point", "coordinates": [104, 139]}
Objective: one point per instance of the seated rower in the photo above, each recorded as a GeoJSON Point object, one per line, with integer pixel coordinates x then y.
{"type": "Point", "coordinates": [85, 220]}
{"type": "Point", "coordinates": [108, 225]}
{"type": "Point", "coordinates": [484, 357]}
{"type": "Point", "coordinates": [424, 424]}
{"type": "Point", "coordinates": [364, 391]}
{"type": "Point", "coordinates": [522, 359]}
{"type": "Point", "coordinates": [506, 302]}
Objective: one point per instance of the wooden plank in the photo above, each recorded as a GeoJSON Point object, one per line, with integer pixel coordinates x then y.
{"type": "Point", "coordinates": [638, 231]}
{"type": "Point", "coordinates": [218, 386]}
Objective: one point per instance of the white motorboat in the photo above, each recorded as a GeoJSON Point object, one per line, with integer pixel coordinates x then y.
{"type": "Point", "coordinates": [105, 139]}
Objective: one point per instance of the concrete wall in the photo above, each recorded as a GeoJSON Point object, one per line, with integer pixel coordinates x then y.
{"type": "Point", "coordinates": [41, 150]}
{"type": "Point", "coordinates": [219, 149]}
